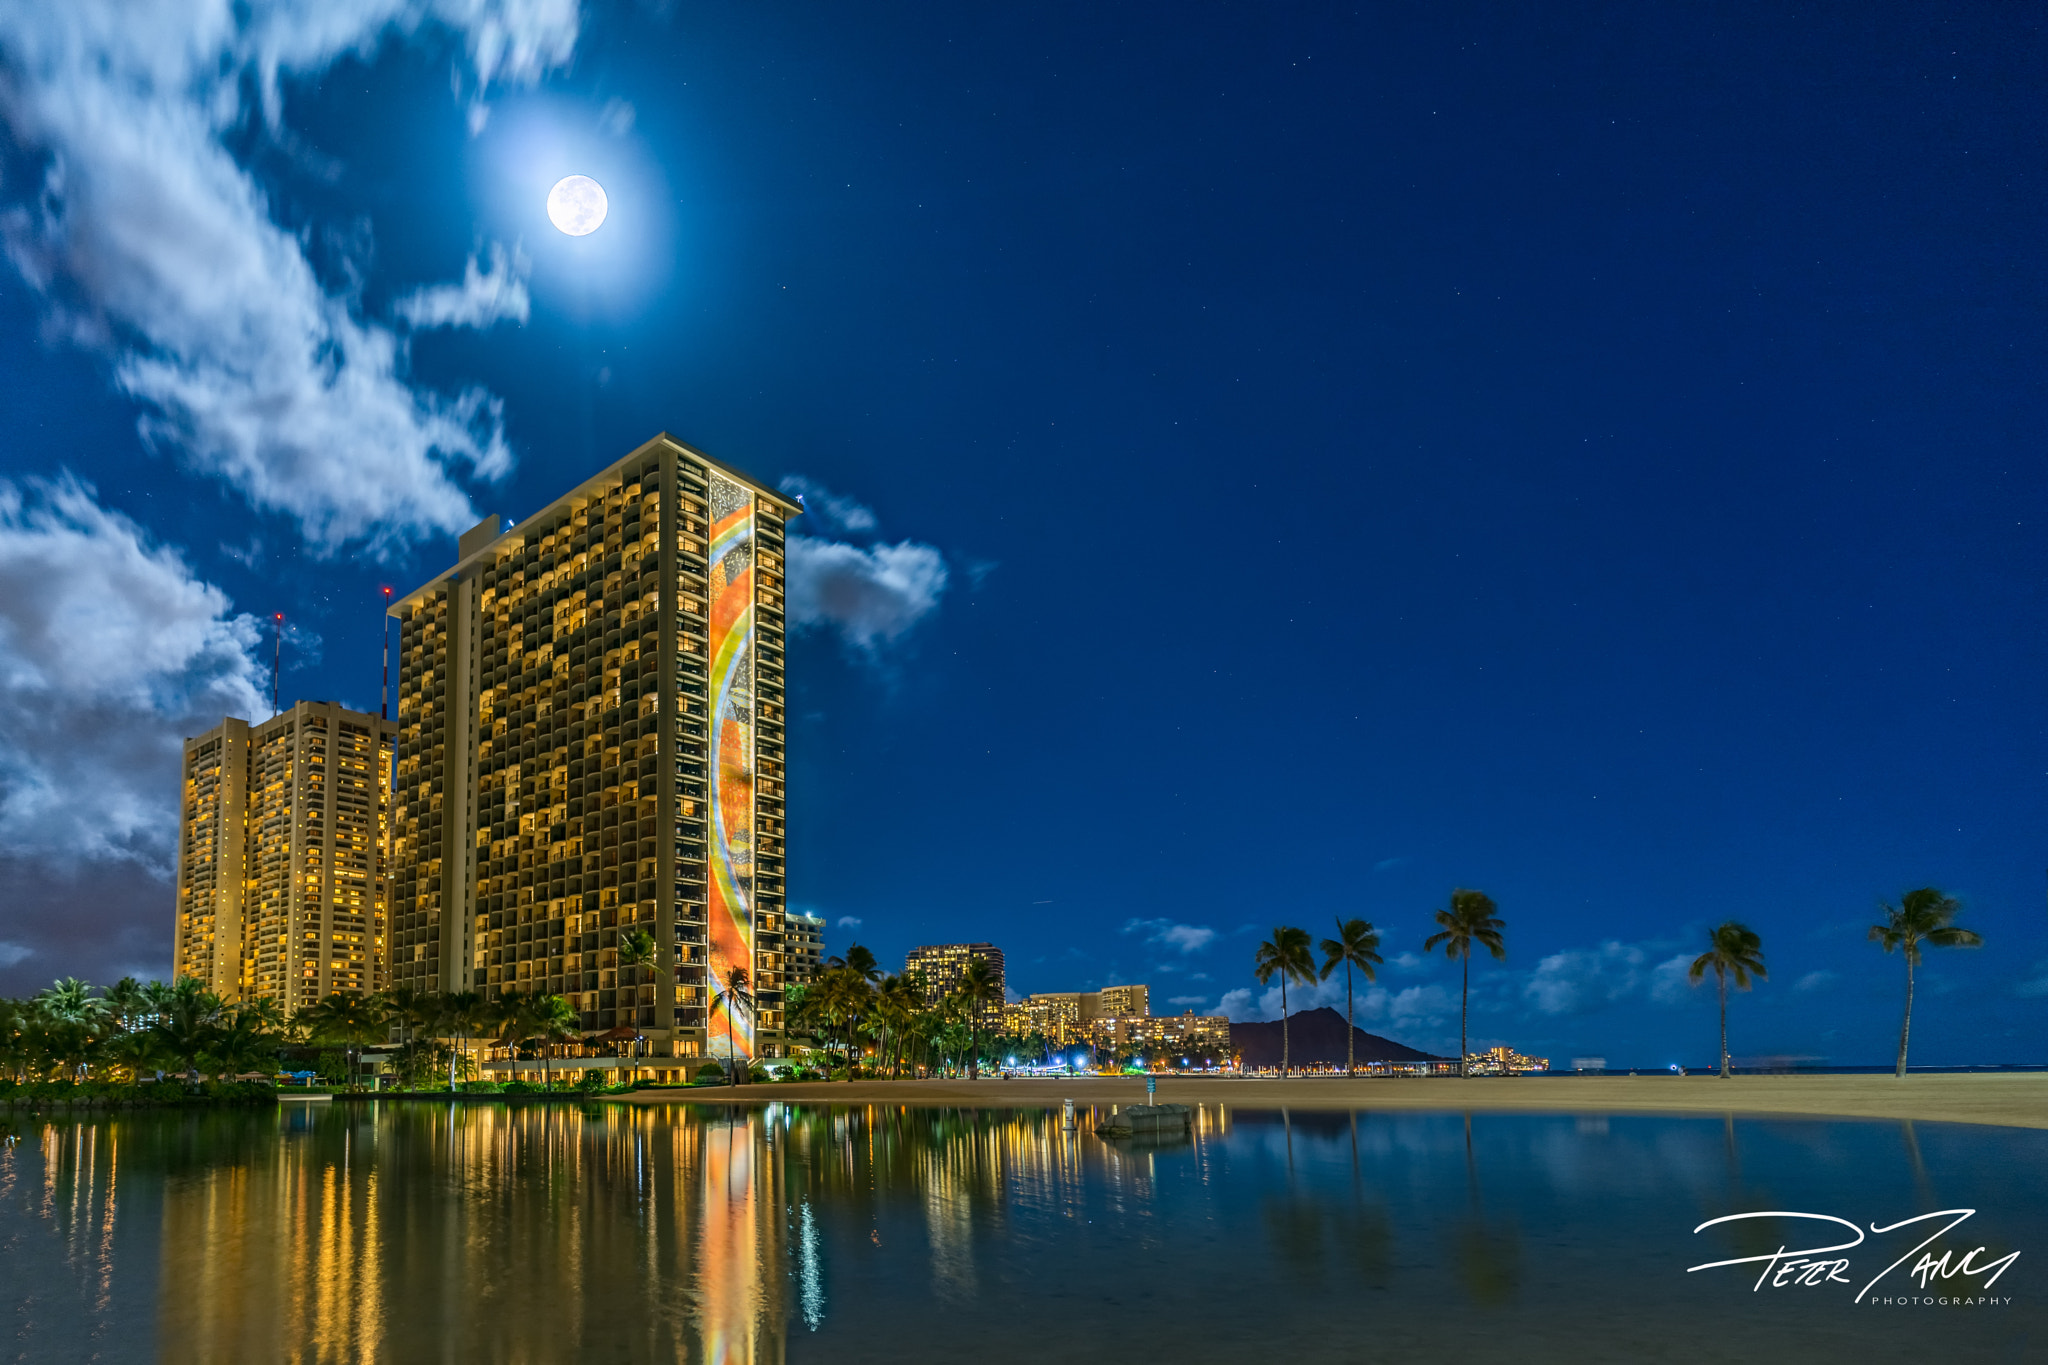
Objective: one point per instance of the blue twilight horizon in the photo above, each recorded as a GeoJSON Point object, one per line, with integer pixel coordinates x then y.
{"type": "Point", "coordinates": [1264, 466]}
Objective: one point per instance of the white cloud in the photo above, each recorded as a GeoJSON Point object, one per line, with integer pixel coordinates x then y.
{"type": "Point", "coordinates": [149, 243]}
{"type": "Point", "coordinates": [872, 596]}
{"type": "Point", "coordinates": [1671, 980]}
{"type": "Point", "coordinates": [1816, 981]}
{"type": "Point", "coordinates": [1579, 980]}
{"type": "Point", "coordinates": [111, 652]}
{"type": "Point", "coordinates": [1186, 938]}
{"type": "Point", "coordinates": [1189, 1000]}
{"type": "Point", "coordinates": [847, 922]}
{"type": "Point", "coordinates": [841, 515]}
{"type": "Point", "coordinates": [2035, 985]}
{"type": "Point", "coordinates": [11, 953]}
{"type": "Point", "coordinates": [483, 297]}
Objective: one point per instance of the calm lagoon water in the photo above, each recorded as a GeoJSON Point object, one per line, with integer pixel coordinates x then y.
{"type": "Point", "coordinates": [541, 1233]}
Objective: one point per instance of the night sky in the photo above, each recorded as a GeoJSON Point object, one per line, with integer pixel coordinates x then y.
{"type": "Point", "coordinates": [1266, 464]}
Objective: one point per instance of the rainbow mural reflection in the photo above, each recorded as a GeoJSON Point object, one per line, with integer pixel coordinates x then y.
{"type": "Point", "coordinates": [731, 946]}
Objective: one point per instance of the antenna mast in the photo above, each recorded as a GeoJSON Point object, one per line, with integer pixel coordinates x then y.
{"type": "Point", "coordinates": [276, 659]}
{"type": "Point", "coordinates": [384, 696]}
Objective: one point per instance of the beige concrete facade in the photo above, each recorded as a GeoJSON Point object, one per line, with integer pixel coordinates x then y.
{"type": "Point", "coordinates": [1133, 1002]}
{"type": "Point", "coordinates": [280, 890]}
{"type": "Point", "coordinates": [559, 759]}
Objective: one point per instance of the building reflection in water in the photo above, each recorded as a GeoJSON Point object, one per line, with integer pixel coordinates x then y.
{"type": "Point", "coordinates": [397, 1231]}
{"type": "Point", "coordinates": [713, 1233]}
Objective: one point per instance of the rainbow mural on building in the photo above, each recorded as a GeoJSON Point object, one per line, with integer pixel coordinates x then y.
{"type": "Point", "coordinates": [731, 1024]}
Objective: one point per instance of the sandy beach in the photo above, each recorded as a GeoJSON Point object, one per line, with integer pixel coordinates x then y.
{"type": "Point", "coordinates": [2013, 1100]}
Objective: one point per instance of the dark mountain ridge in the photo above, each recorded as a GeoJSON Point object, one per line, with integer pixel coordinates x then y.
{"type": "Point", "coordinates": [1317, 1036]}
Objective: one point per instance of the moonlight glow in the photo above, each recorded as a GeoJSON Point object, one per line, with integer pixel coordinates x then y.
{"type": "Point", "coordinates": [577, 205]}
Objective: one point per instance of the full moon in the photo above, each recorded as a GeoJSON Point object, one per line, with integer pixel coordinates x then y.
{"type": "Point", "coordinates": [577, 205]}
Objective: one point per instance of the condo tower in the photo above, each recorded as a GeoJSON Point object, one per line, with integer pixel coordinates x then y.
{"type": "Point", "coordinates": [591, 749]}
{"type": "Point", "coordinates": [280, 890]}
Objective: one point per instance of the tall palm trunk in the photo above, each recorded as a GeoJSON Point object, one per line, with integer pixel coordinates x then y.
{"type": "Point", "coordinates": [1906, 1027]}
{"type": "Point", "coordinates": [1286, 1050]}
{"type": "Point", "coordinates": [1350, 1029]}
{"type": "Point", "coordinates": [1464, 1011]}
{"type": "Point", "coordinates": [1721, 975]}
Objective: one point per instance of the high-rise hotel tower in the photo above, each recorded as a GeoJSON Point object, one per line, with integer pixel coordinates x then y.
{"type": "Point", "coordinates": [280, 856]}
{"type": "Point", "coordinates": [590, 746]}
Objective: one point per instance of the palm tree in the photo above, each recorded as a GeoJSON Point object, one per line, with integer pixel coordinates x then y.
{"type": "Point", "coordinates": [1469, 921]}
{"type": "Point", "coordinates": [979, 992]}
{"type": "Point", "coordinates": [188, 1015]}
{"type": "Point", "coordinates": [1734, 950]}
{"type": "Point", "coordinates": [637, 948]}
{"type": "Point", "coordinates": [859, 961]}
{"type": "Point", "coordinates": [409, 1011]}
{"type": "Point", "coordinates": [844, 999]}
{"type": "Point", "coordinates": [1286, 955]}
{"type": "Point", "coordinates": [71, 1001]}
{"type": "Point", "coordinates": [127, 1001]}
{"type": "Point", "coordinates": [1357, 945]}
{"type": "Point", "coordinates": [243, 1042]}
{"type": "Point", "coordinates": [1922, 916]}
{"type": "Point", "coordinates": [734, 991]}
{"type": "Point", "coordinates": [553, 1020]}
{"type": "Point", "coordinates": [349, 1020]}
{"type": "Point", "coordinates": [464, 1014]}
{"type": "Point", "coordinates": [136, 1049]}
{"type": "Point", "coordinates": [896, 1003]}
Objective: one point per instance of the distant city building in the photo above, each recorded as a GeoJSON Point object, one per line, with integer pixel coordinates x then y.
{"type": "Point", "coordinates": [1064, 1016]}
{"type": "Point", "coordinates": [591, 742]}
{"type": "Point", "coordinates": [1059, 1015]}
{"type": "Point", "coordinates": [1173, 1032]}
{"type": "Point", "coordinates": [943, 964]}
{"type": "Point", "coordinates": [281, 875]}
{"type": "Point", "coordinates": [804, 947]}
{"type": "Point", "coordinates": [1133, 1002]}
{"type": "Point", "coordinates": [1505, 1060]}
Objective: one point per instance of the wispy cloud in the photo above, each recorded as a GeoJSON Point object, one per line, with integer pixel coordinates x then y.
{"type": "Point", "coordinates": [484, 297]}
{"type": "Point", "coordinates": [148, 242]}
{"type": "Point", "coordinates": [1184, 938]}
{"type": "Point", "coordinates": [616, 118]}
{"type": "Point", "coordinates": [847, 922]}
{"type": "Point", "coordinates": [839, 515]}
{"type": "Point", "coordinates": [1816, 981]}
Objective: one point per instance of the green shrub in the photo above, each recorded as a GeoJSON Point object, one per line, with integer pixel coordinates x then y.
{"type": "Point", "coordinates": [519, 1088]}
{"type": "Point", "coordinates": [479, 1087]}
{"type": "Point", "coordinates": [120, 1095]}
{"type": "Point", "coordinates": [710, 1071]}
